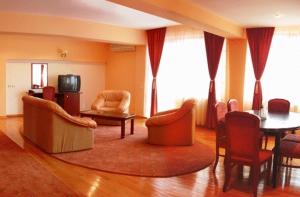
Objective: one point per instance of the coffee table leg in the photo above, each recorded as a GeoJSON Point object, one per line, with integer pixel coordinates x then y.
{"type": "Point", "coordinates": [122, 128]}
{"type": "Point", "coordinates": [132, 126]}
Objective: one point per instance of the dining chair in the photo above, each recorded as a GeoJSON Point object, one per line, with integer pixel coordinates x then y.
{"type": "Point", "coordinates": [243, 146]}
{"type": "Point", "coordinates": [277, 105]}
{"type": "Point", "coordinates": [290, 149]}
{"type": "Point", "coordinates": [220, 112]}
{"type": "Point", "coordinates": [49, 93]}
{"type": "Point", "coordinates": [233, 105]}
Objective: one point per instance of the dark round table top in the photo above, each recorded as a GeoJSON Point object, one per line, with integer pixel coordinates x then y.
{"type": "Point", "coordinates": [279, 121]}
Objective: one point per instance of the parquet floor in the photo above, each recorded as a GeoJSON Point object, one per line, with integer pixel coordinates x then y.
{"type": "Point", "coordinates": [202, 183]}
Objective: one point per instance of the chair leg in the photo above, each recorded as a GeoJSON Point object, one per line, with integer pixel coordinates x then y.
{"type": "Point", "coordinates": [227, 174]}
{"type": "Point", "coordinates": [216, 162]}
{"type": "Point", "coordinates": [255, 179]}
{"type": "Point", "coordinates": [217, 157]}
{"type": "Point", "coordinates": [269, 171]}
{"type": "Point", "coordinates": [240, 170]}
{"type": "Point", "coordinates": [266, 141]}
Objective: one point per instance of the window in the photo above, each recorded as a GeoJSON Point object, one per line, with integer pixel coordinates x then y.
{"type": "Point", "coordinates": [183, 71]}
{"type": "Point", "coordinates": [281, 74]}
{"type": "Point", "coordinates": [39, 75]}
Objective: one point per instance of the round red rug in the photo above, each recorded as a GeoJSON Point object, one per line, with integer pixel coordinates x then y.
{"type": "Point", "coordinates": [134, 156]}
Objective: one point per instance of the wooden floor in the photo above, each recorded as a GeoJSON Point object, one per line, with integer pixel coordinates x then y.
{"type": "Point", "coordinates": [202, 183]}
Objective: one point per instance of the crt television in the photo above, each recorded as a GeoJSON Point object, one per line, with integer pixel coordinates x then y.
{"type": "Point", "coordinates": [69, 83]}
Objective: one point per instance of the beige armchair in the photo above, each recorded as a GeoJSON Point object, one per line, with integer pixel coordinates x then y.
{"type": "Point", "coordinates": [116, 101]}
{"type": "Point", "coordinates": [52, 129]}
{"type": "Point", "coordinates": [173, 127]}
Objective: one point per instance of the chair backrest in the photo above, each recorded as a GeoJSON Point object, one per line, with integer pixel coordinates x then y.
{"type": "Point", "coordinates": [243, 135]}
{"type": "Point", "coordinates": [49, 93]}
{"type": "Point", "coordinates": [220, 111]}
{"type": "Point", "coordinates": [279, 105]}
{"type": "Point", "coordinates": [233, 105]}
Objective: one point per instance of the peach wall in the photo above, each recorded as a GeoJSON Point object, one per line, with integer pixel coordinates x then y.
{"type": "Point", "coordinates": [18, 81]}
{"type": "Point", "coordinates": [16, 47]}
{"type": "Point", "coordinates": [126, 71]}
{"type": "Point", "coordinates": [236, 63]}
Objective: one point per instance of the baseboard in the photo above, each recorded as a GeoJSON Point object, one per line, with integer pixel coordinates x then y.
{"type": "Point", "coordinates": [14, 115]}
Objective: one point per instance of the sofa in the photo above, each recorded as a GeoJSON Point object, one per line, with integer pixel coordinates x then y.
{"type": "Point", "coordinates": [52, 129]}
{"type": "Point", "coordinates": [173, 127]}
{"type": "Point", "coordinates": [114, 101]}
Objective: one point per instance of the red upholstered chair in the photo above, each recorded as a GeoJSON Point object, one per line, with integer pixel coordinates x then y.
{"type": "Point", "coordinates": [277, 105]}
{"type": "Point", "coordinates": [220, 112]}
{"type": "Point", "coordinates": [49, 93]}
{"type": "Point", "coordinates": [233, 105]}
{"type": "Point", "coordinates": [290, 149]}
{"type": "Point", "coordinates": [243, 146]}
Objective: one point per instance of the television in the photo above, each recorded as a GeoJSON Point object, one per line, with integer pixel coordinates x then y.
{"type": "Point", "coordinates": [69, 83]}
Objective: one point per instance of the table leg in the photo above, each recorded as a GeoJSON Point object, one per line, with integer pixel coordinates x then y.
{"type": "Point", "coordinates": [276, 158]}
{"type": "Point", "coordinates": [132, 126]}
{"type": "Point", "coordinates": [122, 128]}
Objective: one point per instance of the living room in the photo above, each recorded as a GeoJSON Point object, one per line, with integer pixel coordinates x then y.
{"type": "Point", "coordinates": [40, 38]}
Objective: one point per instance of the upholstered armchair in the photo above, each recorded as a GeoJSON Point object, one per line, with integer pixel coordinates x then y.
{"type": "Point", "coordinates": [173, 127]}
{"type": "Point", "coordinates": [115, 101]}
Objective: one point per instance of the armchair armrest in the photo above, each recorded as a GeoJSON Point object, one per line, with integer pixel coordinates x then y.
{"type": "Point", "coordinates": [98, 103]}
{"type": "Point", "coordinates": [125, 102]}
{"type": "Point", "coordinates": [85, 121]}
{"type": "Point", "coordinates": [165, 112]}
{"type": "Point", "coordinates": [164, 119]}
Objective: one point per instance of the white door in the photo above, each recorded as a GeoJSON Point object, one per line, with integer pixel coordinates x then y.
{"type": "Point", "coordinates": [18, 82]}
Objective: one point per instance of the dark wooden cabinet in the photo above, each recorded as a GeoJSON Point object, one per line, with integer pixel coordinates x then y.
{"type": "Point", "coordinates": [70, 102]}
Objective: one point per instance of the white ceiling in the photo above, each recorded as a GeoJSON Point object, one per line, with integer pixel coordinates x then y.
{"type": "Point", "coordinates": [100, 11]}
{"type": "Point", "coordinates": [248, 13]}
{"type": "Point", "coordinates": [245, 13]}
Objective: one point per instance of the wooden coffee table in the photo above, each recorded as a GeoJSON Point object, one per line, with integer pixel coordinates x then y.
{"type": "Point", "coordinates": [112, 116]}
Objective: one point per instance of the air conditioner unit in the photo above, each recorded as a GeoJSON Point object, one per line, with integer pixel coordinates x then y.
{"type": "Point", "coordinates": [122, 48]}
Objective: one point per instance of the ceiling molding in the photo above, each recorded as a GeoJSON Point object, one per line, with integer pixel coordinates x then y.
{"type": "Point", "coordinates": [59, 26]}
{"type": "Point", "coordinates": [187, 13]}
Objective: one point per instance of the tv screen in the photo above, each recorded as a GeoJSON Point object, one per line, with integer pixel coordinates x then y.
{"type": "Point", "coordinates": [68, 83]}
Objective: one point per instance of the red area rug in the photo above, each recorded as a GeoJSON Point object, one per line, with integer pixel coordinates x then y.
{"type": "Point", "coordinates": [21, 175]}
{"type": "Point", "coordinates": [133, 156]}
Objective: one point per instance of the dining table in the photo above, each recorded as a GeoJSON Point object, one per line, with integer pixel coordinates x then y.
{"type": "Point", "coordinates": [275, 124]}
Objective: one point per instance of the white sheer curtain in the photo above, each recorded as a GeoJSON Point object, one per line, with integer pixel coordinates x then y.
{"type": "Point", "coordinates": [281, 76]}
{"type": "Point", "coordinates": [183, 71]}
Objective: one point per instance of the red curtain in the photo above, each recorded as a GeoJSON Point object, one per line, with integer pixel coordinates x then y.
{"type": "Point", "coordinates": [213, 45]}
{"type": "Point", "coordinates": [156, 38]}
{"type": "Point", "coordinates": [259, 40]}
